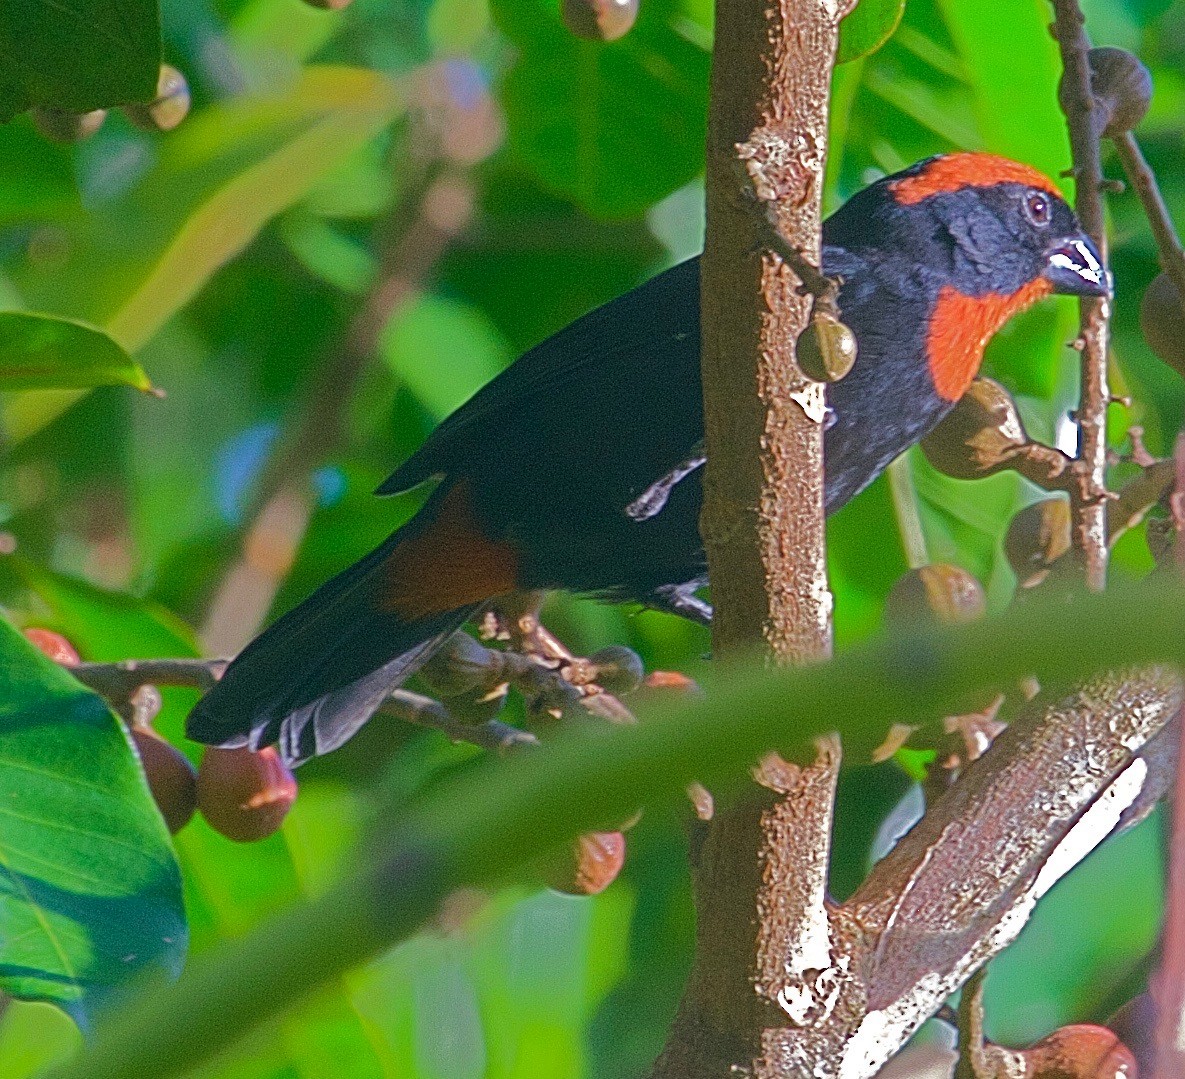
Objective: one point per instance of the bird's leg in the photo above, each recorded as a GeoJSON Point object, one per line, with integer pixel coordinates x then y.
{"type": "Point", "coordinates": [515, 619]}
{"type": "Point", "coordinates": [681, 599]}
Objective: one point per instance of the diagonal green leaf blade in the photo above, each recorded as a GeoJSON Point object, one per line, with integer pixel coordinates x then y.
{"type": "Point", "coordinates": [77, 55]}
{"type": "Point", "coordinates": [90, 891]}
{"type": "Point", "coordinates": [221, 178]}
{"type": "Point", "coordinates": [869, 25]}
{"type": "Point", "coordinates": [45, 352]}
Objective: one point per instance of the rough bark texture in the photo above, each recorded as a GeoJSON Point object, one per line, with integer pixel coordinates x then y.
{"type": "Point", "coordinates": [855, 981]}
{"type": "Point", "coordinates": [763, 504]}
{"type": "Point", "coordinates": [762, 930]}
{"type": "Point", "coordinates": [1088, 497]}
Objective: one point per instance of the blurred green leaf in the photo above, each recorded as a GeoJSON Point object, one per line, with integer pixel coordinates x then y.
{"type": "Point", "coordinates": [246, 161]}
{"type": "Point", "coordinates": [220, 178]}
{"type": "Point", "coordinates": [1014, 76]}
{"type": "Point", "coordinates": [90, 892]}
{"type": "Point", "coordinates": [44, 352]}
{"type": "Point", "coordinates": [102, 624]}
{"type": "Point", "coordinates": [443, 351]}
{"type": "Point", "coordinates": [867, 27]}
{"type": "Point", "coordinates": [77, 55]}
{"type": "Point", "coordinates": [615, 126]}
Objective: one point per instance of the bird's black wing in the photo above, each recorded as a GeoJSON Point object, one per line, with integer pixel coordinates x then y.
{"type": "Point", "coordinates": [645, 326]}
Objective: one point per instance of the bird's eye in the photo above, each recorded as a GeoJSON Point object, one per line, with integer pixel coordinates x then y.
{"type": "Point", "coordinates": [1037, 208]}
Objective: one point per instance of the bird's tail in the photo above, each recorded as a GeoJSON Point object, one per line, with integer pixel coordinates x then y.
{"type": "Point", "coordinates": [313, 678]}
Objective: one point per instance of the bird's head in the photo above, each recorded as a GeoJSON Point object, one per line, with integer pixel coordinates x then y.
{"type": "Point", "coordinates": [967, 240]}
{"type": "Point", "coordinates": [984, 224]}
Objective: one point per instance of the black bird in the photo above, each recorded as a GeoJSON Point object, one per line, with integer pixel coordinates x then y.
{"type": "Point", "coordinates": [578, 468]}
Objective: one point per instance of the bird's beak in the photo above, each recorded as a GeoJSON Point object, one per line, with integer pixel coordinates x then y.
{"type": "Point", "coordinates": [1074, 268]}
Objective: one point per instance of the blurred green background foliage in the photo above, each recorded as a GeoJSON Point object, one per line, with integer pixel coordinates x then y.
{"type": "Point", "coordinates": [474, 177]}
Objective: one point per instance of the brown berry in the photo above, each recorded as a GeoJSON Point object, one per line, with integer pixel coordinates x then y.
{"type": "Point", "coordinates": [618, 669]}
{"type": "Point", "coordinates": [1162, 320]}
{"type": "Point", "coordinates": [53, 645]}
{"type": "Point", "coordinates": [590, 865]}
{"type": "Point", "coordinates": [57, 125]}
{"type": "Point", "coordinates": [599, 20]}
{"type": "Point", "coordinates": [826, 349]}
{"type": "Point", "coordinates": [171, 778]}
{"type": "Point", "coordinates": [1037, 537]}
{"type": "Point", "coordinates": [981, 435]}
{"type": "Point", "coordinates": [938, 593]}
{"type": "Point", "coordinates": [168, 108]}
{"type": "Point", "coordinates": [1122, 88]}
{"type": "Point", "coordinates": [244, 794]}
{"type": "Point", "coordinates": [1079, 1051]}
{"type": "Point", "coordinates": [461, 664]}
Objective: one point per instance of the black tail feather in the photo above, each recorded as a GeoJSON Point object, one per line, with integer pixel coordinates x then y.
{"type": "Point", "coordinates": [311, 680]}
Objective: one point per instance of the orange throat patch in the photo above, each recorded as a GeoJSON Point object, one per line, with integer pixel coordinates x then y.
{"type": "Point", "coordinates": [961, 327]}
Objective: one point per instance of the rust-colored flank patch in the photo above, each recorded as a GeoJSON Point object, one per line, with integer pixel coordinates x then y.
{"type": "Point", "coordinates": [449, 564]}
{"type": "Point", "coordinates": [957, 171]}
{"type": "Point", "coordinates": [962, 326]}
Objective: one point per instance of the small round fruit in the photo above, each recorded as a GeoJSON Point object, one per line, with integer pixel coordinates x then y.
{"type": "Point", "coordinates": [1037, 537]}
{"type": "Point", "coordinates": [244, 794]}
{"type": "Point", "coordinates": [168, 108]}
{"type": "Point", "coordinates": [939, 592]}
{"type": "Point", "coordinates": [171, 778]}
{"type": "Point", "coordinates": [461, 664]}
{"type": "Point", "coordinates": [1122, 88]}
{"type": "Point", "coordinates": [1079, 1051]}
{"type": "Point", "coordinates": [57, 125]}
{"type": "Point", "coordinates": [590, 865]}
{"type": "Point", "coordinates": [618, 669]}
{"type": "Point", "coordinates": [1162, 320]}
{"type": "Point", "coordinates": [53, 645]}
{"type": "Point", "coordinates": [599, 20]}
{"type": "Point", "coordinates": [826, 349]}
{"type": "Point", "coordinates": [980, 436]}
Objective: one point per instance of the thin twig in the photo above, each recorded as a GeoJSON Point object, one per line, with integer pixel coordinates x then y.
{"type": "Point", "coordinates": [1143, 180]}
{"type": "Point", "coordinates": [1088, 500]}
{"type": "Point", "coordinates": [118, 682]}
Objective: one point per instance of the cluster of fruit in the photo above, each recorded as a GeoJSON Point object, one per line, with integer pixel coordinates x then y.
{"type": "Point", "coordinates": [243, 794]}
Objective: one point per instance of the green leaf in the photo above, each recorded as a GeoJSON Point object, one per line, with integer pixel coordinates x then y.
{"type": "Point", "coordinates": [869, 25]}
{"type": "Point", "coordinates": [44, 352]}
{"type": "Point", "coordinates": [424, 334]}
{"type": "Point", "coordinates": [90, 892]}
{"type": "Point", "coordinates": [222, 176]}
{"type": "Point", "coordinates": [77, 55]}
{"type": "Point", "coordinates": [616, 126]}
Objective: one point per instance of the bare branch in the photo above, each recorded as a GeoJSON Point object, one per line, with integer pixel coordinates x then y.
{"type": "Point", "coordinates": [1088, 499]}
{"type": "Point", "coordinates": [1143, 180]}
{"type": "Point", "coordinates": [118, 683]}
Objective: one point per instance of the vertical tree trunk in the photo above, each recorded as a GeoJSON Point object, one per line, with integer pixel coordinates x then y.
{"type": "Point", "coordinates": [763, 505]}
{"type": "Point", "coordinates": [761, 923]}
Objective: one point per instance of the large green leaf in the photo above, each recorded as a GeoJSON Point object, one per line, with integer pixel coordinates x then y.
{"type": "Point", "coordinates": [869, 25]}
{"type": "Point", "coordinates": [617, 126]}
{"type": "Point", "coordinates": [77, 54]}
{"type": "Point", "coordinates": [90, 892]}
{"type": "Point", "coordinates": [44, 352]}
